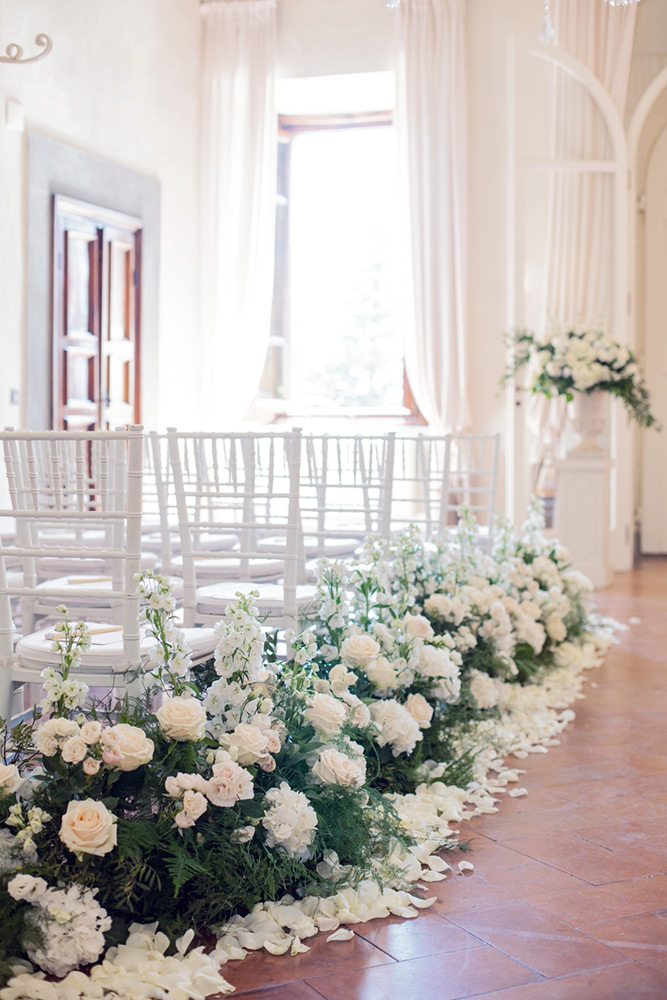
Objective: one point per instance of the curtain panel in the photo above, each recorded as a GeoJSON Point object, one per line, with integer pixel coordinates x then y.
{"type": "Point", "coordinates": [432, 138]}
{"type": "Point", "coordinates": [238, 202]}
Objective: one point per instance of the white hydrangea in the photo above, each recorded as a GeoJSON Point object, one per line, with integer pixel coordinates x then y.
{"type": "Point", "coordinates": [71, 923]}
{"type": "Point", "coordinates": [290, 821]}
{"type": "Point", "coordinates": [397, 728]}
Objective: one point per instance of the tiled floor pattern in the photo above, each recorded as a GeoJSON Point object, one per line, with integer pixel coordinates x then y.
{"type": "Point", "coordinates": [568, 900]}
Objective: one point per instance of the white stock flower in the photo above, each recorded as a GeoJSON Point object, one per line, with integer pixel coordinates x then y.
{"type": "Point", "coordinates": [483, 689]}
{"type": "Point", "coordinates": [340, 679]}
{"type": "Point", "coordinates": [290, 821]}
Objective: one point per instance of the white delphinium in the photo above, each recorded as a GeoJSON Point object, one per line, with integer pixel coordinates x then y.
{"type": "Point", "coordinates": [240, 695]}
{"type": "Point", "coordinates": [396, 727]}
{"type": "Point", "coordinates": [332, 581]}
{"type": "Point", "coordinates": [63, 693]}
{"type": "Point", "coordinates": [290, 821]}
{"type": "Point", "coordinates": [241, 641]}
{"type": "Point", "coordinates": [169, 659]}
{"type": "Point", "coordinates": [70, 921]}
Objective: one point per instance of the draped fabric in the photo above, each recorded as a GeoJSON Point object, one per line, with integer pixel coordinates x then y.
{"type": "Point", "coordinates": [238, 199]}
{"type": "Point", "coordinates": [431, 129]}
{"type": "Point", "coordinates": [578, 273]}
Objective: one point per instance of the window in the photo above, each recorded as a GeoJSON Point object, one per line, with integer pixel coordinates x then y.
{"type": "Point", "coordinates": [336, 341]}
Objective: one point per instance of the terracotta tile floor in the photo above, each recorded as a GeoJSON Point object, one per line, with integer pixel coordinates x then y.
{"type": "Point", "coordinates": [569, 895]}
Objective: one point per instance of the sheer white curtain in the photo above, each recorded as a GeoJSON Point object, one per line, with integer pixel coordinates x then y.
{"type": "Point", "coordinates": [238, 202]}
{"type": "Point", "coordinates": [431, 128]}
{"type": "Point", "coordinates": [578, 273]}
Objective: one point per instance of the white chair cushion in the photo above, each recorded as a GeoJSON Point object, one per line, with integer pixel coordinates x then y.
{"type": "Point", "coordinates": [105, 654]}
{"type": "Point", "coordinates": [207, 540]}
{"type": "Point", "coordinates": [229, 569]}
{"type": "Point", "coordinates": [213, 600]}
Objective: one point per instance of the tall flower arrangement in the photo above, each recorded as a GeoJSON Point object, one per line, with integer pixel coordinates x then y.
{"type": "Point", "coordinates": [580, 359]}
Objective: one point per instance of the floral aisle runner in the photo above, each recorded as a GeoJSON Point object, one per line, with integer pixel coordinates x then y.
{"type": "Point", "coordinates": [325, 778]}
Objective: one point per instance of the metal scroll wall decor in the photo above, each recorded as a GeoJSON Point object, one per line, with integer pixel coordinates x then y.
{"type": "Point", "coordinates": [14, 52]}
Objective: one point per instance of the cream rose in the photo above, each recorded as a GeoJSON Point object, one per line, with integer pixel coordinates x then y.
{"type": "Point", "coordinates": [336, 768]}
{"type": "Point", "coordinates": [359, 649]}
{"type": "Point", "coordinates": [230, 783]}
{"type": "Point", "coordinates": [182, 719]}
{"type": "Point", "coordinates": [74, 750]}
{"type": "Point", "coordinates": [91, 732]}
{"type": "Point", "coordinates": [10, 779]}
{"type": "Point", "coordinates": [419, 626]}
{"type": "Point", "coordinates": [249, 742]}
{"type": "Point", "coordinates": [131, 742]}
{"type": "Point", "coordinates": [420, 710]}
{"type": "Point", "coordinates": [194, 803]}
{"type": "Point", "coordinates": [360, 715]}
{"type": "Point", "coordinates": [88, 828]}
{"type": "Point", "coordinates": [381, 673]}
{"type": "Point", "coordinates": [326, 714]}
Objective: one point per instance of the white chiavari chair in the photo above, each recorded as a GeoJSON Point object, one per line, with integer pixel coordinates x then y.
{"type": "Point", "coordinates": [435, 474]}
{"type": "Point", "coordinates": [346, 486]}
{"type": "Point", "coordinates": [245, 485]}
{"type": "Point", "coordinates": [94, 485]}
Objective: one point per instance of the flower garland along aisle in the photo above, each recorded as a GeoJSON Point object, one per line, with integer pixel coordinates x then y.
{"type": "Point", "coordinates": [258, 800]}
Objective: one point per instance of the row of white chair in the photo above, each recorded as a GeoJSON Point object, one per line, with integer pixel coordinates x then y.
{"type": "Point", "coordinates": [233, 512]}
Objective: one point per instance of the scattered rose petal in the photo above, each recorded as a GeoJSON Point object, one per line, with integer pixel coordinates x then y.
{"type": "Point", "coordinates": [342, 934]}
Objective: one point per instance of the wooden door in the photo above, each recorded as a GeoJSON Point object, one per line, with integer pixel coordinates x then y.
{"type": "Point", "coordinates": [96, 317]}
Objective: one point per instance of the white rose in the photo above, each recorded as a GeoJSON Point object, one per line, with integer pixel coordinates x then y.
{"type": "Point", "coordinates": [419, 626]}
{"type": "Point", "coordinates": [90, 732]}
{"type": "Point", "coordinates": [88, 828]}
{"type": "Point", "coordinates": [10, 779]}
{"type": "Point", "coordinates": [326, 714]}
{"type": "Point", "coordinates": [336, 768]}
{"type": "Point", "coordinates": [420, 710]}
{"type": "Point", "coordinates": [359, 649]}
{"type": "Point", "coordinates": [194, 804]}
{"type": "Point", "coordinates": [74, 750]}
{"type": "Point", "coordinates": [182, 718]}
{"type": "Point", "coordinates": [381, 673]}
{"type": "Point", "coordinates": [131, 742]}
{"type": "Point", "coordinates": [230, 783]}
{"type": "Point", "coordinates": [249, 741]}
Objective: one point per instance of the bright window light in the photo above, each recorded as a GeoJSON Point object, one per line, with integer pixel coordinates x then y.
{"type": "Point", "coordinates": [346, 341]}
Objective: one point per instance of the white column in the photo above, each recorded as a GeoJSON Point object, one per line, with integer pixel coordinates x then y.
{"type": "Point", "coordinates": [582, 514]}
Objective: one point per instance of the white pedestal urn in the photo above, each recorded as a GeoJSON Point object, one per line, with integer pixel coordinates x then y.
{"type": "Point", "coordinates": [582, 491]}
{"type": "Point", "coordinates": [588, 419]}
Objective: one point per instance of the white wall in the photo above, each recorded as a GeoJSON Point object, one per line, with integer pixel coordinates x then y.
{"type": "Point", "coordinates": [122, 82]}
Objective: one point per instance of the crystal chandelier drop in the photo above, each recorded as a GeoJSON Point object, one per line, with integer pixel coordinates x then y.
{"type": "Point", "coordinates": [620, 3]}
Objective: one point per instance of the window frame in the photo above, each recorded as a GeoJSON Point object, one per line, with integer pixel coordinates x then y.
{"type": "Point", "coordinates": [290, 126]}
